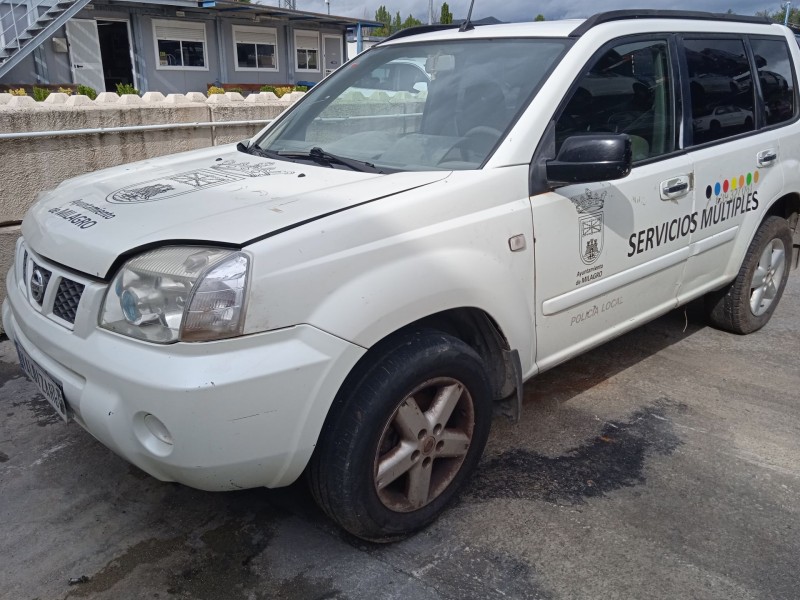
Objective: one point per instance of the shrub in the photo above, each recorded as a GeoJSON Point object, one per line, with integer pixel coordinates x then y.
{"type": "Point", "coordinates": [267, 88]}
{"type": "Point", "coordinates": [280, 91]}
{"type": "Point", "coordinates": [65, 90]}
{"type": "Point", "coordinates": [40, 94]}
{"type": "Point", "coordinates": [126, 88]}
{"type": "Point", "coordinates": [18, 92]}
{"type": "Point", "coordinates": [85, 90]}
{"type": "Point", "coordinates": [236, 89]}
{"type": "Point", "coordinates": [300, 88]}
{"type": "Point", "coordinates": [215, 90]}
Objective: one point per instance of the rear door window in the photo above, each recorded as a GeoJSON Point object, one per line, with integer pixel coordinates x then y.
{"type": "Point", "coordinates": [722, 97]}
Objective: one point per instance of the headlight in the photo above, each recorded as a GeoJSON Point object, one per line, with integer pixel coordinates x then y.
{"type": "Point", "coordinates": [179, 293]}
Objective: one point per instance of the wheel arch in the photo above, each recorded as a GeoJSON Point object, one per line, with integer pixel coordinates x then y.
{"type": "Point", "coordinates": [788, 207]}
{"type": "Point", "coordinates": [476, 328]}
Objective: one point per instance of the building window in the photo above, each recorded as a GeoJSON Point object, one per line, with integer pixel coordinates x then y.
{"type": "Point", "coordinates": [306, 44]}
{"type": "Point", "coordinates": [180, 45]}
{"type": "Point", "coordinates": [255, 48]}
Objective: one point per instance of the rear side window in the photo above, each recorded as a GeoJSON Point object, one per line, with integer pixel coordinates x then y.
{"type": "Point", "coordinates": [721, 89]}
{"type": "Point", "coordinates": [775, 76]}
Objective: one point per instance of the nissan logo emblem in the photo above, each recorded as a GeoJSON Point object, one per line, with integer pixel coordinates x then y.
{"type": "Point", "coordinates": [37, 285]}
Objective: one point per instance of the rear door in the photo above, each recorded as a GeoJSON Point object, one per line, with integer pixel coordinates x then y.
{"type": "Point", "coordinates": [611, 255]}
{"type": "Point", "coordinates": [734, 146]}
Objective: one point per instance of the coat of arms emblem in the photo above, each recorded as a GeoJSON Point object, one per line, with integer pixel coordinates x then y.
{"type": "Point", "coordinates": [590, 237]}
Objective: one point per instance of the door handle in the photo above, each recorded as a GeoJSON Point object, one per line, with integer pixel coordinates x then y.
{"type": "Point", "coordinates": [766, 158]}
{"type": "Point", "coordinates": [678, 187]}
{"type": "Point", "coordinates": [675, 187]}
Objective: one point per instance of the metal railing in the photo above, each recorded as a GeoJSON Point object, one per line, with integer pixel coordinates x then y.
{"type": "Point", "coordinates": [129, 129]}
{"type": "Point", "coordinates": [24, 19]}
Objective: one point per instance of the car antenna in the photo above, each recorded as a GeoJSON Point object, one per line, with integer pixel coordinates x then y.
{"type": "Point", "coordinates": [467, 25]}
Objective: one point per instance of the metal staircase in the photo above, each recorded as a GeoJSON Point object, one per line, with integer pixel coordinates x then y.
{"type": "Point", "coordinates": [19, 41]}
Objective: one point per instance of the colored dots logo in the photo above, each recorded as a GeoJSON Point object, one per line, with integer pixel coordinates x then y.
{"type": "Point", "coordinates": [732, 184]}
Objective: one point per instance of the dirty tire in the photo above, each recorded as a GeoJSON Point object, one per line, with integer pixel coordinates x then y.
{"type": "Point", "coordinates": [747, 303]}
{"type": "Point", "coordinates": [406, 403]}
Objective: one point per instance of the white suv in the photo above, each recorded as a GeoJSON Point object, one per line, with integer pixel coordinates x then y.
{"type": "Point", "coordinates": [348, 293]}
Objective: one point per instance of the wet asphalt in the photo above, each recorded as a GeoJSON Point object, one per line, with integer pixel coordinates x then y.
{"type": "Point", "coordinates": [664, 464]}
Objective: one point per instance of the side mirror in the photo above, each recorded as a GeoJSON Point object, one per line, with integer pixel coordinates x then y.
{"type": "Point", "coordinates": [591, 158]}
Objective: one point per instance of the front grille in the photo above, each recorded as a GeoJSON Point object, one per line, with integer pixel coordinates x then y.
{"type": "Point", "coordinates": [59, 304]}
{"type": "Point", "coordinates": [67, 299]}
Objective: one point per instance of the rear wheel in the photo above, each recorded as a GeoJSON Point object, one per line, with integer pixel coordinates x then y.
{"type": "Point", "coordinates": [403, 436]}
{"type": "Point", "coordinates": [748, 302]}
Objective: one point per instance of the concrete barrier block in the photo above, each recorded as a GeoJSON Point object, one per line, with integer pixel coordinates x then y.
{"type": "Point", "coordinates": [175, 98]}
{"type": "Point", "coordinates": [270, 96]}
{"type": "Point", "coordinates": [130, 100]}
{"type": "Point", "coordinates": [5, 97]}
{"type": "Point", "coordinates": [21, 102]}
{"type": "Point", "coordinates": [107, 98]}
{"type": "Point", "coordinates": [196, 97]}
{"type": "Point", "coordinates": [258, 98]}
{"type": "Point", "coordinates": [294, 96]}
{"type": "Point", "coordinates": [153, 97]}
{"type": "Point", "coordinates": [56, 98]}
{"type": "Point", "coordinates": [234, 96]}
{"type": "Point", "coordinates": [218, 99]}
{"type": "Point", "coordinates": [78, 100]}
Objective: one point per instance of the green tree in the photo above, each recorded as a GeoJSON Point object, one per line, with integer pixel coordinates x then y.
{"type": "Point", "coordinates": [383, 16]}
{"type": "Point", "coordinates": [397, 25]}
{"type": "Point", "coordinates": [445, 16]}
{"type": "Point", "coordinates": [411, 22]}
{"type": "Point", "coordinates": [539, 17]}
{"type": "Point", "coordinates": [778, 16]}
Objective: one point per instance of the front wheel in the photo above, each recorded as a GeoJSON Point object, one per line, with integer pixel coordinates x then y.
{"type": "Point", "coordinates": [403, 435]}
{"type": "Point", "coordinates": [747, 303]}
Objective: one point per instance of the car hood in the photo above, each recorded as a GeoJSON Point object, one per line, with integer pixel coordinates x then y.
{"type": "Point", "coordinates": [215, 195]}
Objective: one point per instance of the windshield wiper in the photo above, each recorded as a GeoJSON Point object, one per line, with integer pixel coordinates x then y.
{"type": "Point", "coordinates": [320, 156]}
{"type": "Point", "coordinates": [255, 150]}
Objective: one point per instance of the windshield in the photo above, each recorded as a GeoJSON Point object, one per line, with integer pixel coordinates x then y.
{"type": "Point", "coordinates": [416, 107]}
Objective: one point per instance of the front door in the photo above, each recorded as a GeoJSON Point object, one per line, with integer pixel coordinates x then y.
{"type": "Point", "coordinates": [611, 255]}
{"type": "Point", "coordinates": [84, 54]}
{"type": "Point", "coordinates": [332, 49]}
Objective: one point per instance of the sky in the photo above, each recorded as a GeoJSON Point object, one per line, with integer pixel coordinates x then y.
{"type": "Point", "coordinates": [523, 10]}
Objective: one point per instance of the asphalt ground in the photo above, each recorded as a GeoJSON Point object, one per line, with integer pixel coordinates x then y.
{"type": "Point", "coordinates": [665, 464]}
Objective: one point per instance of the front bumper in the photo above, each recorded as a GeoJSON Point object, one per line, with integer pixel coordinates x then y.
{"type": "Point", "coordinates": [242, 413]}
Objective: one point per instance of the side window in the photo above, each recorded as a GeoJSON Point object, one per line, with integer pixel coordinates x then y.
{"type": "Point", "coordinates": [721, 89]}
{"type": "Point", "coordinates": [626, 90]}
{"type": "Point", "coordinates": [775, 76]}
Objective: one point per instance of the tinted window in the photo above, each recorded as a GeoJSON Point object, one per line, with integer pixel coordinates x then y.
{"type": "Point", "coordinates": [721, 88]}
{"type": "Point", "coordinates": [627, 90]}
{"type": "Point", "coordinates": [775, 76]}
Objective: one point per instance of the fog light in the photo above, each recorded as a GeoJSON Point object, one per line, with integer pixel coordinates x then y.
{"type": "Point", "coordinates": [158, 429]}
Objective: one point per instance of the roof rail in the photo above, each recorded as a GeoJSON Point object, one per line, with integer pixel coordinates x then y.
{"type": "Point", "coordinates": [418, 29]}
{"type": "Point", "coordinates": [625, 15]}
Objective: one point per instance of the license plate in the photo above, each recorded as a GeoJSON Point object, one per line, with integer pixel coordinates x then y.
{"type": "Point", "coordinates": [50, 388]}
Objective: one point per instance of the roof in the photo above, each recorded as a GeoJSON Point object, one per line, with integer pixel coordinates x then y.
{"type": "Point", "coordinates": [253, 10]}
{"type": "Point", "coordinates": [569, 27]}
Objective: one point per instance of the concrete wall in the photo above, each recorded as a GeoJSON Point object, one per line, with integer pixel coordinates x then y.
{"type": "Point", "coordinates": [30, 165]}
